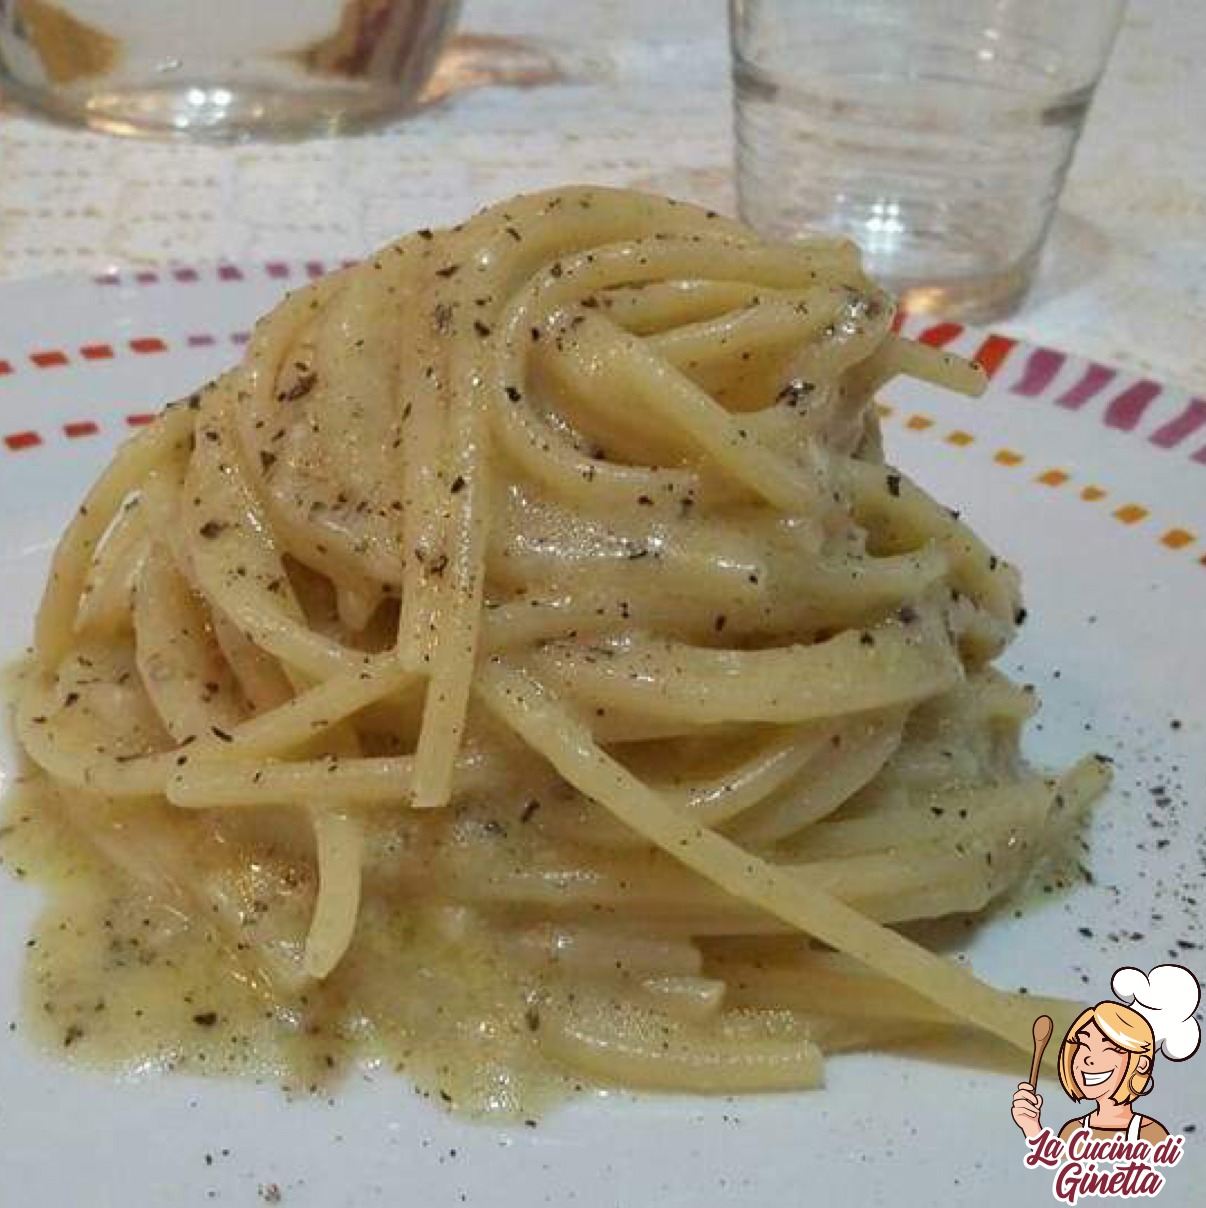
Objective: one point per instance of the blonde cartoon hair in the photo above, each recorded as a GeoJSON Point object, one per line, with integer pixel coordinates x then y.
{"type": "Point", "coordinates": [1126, 1028]}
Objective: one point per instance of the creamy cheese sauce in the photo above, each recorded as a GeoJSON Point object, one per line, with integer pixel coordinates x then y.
{"type": "Point", "coordinates": [123, 980]}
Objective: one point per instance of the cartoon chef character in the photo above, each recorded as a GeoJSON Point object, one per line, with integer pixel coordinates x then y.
{"type": "Point", "coordinates": [1108, 1054]}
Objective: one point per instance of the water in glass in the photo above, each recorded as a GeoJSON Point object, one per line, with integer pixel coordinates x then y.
{"type": "Point", "coordinates": [935, 134]}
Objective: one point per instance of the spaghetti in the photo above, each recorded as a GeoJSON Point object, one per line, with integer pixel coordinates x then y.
{"type": "Point", "coordinates": [539, 585]}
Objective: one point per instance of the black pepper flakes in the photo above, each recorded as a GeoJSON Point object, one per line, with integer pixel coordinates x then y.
{"type": "Point", "coordinates": [299, 389]}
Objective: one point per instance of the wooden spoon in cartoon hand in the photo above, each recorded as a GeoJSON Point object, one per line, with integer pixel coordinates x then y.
{"type": "Point", "coordinates": [1027, 1102]}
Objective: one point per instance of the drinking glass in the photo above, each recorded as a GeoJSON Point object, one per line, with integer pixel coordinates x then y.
{"type": "Point", "coordinates": [220, 69]}
{"type": "Point", "coordinates": [935, 133]}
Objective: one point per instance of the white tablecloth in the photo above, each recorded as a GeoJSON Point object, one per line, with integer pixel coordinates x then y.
{"type": "Point", "coordinates": [644, 101]}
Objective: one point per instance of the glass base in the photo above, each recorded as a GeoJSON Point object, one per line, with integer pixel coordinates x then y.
{"type": "Point", "coordinates": [980, 299]}
{"type": "Point", "coordinates": [216, 112]}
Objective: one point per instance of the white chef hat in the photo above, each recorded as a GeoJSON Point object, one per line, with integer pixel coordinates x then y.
{"type": "Point", "coordinates": [1167, 998]}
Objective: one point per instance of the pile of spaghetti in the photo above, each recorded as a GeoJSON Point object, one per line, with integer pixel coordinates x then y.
{"type": "Point", "coordinates": [535, 597]}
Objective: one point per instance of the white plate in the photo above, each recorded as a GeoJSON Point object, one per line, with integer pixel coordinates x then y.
{"type": "Point", "coordinates": [1093, 481]}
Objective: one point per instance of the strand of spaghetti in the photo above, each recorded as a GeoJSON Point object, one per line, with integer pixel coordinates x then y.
{"type": "Point", "coordinates": [528, 709]}
{"type": "Point", "coordinates": [712, 559]}
{"type": "Point", "coordinates": [73, 555]}
{"type": "Point", "coordinates": [338, 850]}
{"type": "Point", "coordinates": [290, 725]}
{"type": "Point", "coordinates": [460, 591]}
{"type": "Point", "coordinates": [904, 517]}
{"type": "Point", "coordinates": [307, 335]}
{"type": "Point", "coordinates": [898, 357]}
{"type": "Point", "coordinates": [328, 783]}
{"type": "Point", "coordinates": [235, 559]}
{"type": "Point", "coordinates": [660, 306]}
{"type": "Point", "coordinates": [948, 813]}
{"type": "Point", "coordinates": [625, 1046]}
{"type": "Point", "coordinates": [339, 844]}
{"type": "Point", "coordinates": [423, 420]}
{"type": "Point", "coordinates": [867, 743]}
{"type": "Point", "coordinates": [779, 321]}
{"type": "Point", "coordinates": [900, 664]}
{"type": "Point", "coordinates": [599, 360]}
{"type": "Point", "coordinates": [260, 677]}
{"type": "Point", "coordinates": [106, 595]}
{"type": "Point", "coordinates": [664, 905]}
{"type": "Point", "coordinates": [670, 597]}
{"type": "Point", "coordinates": [189, 682]}
{"type": "Point", "coordinates": [773, 765]}
{"type": "Point", "coordinates": [288, 468]}
{"type": "Point", "coordinates": [318, 708]}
